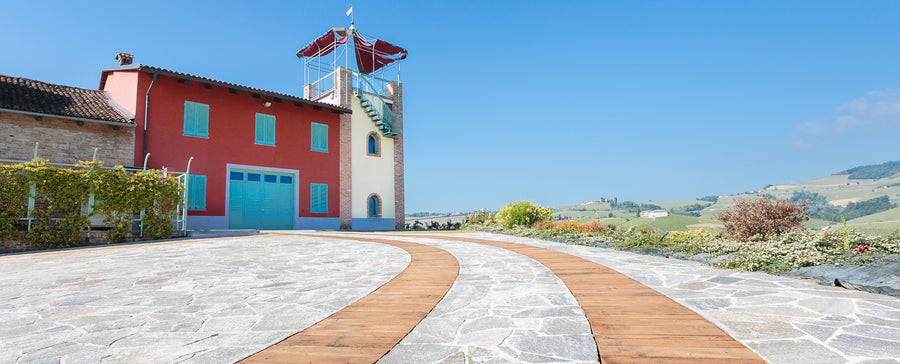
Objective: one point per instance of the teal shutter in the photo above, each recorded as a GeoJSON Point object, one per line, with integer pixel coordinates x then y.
{"type": "Point", "coordinates": [260, 129]}
{"type": "Point", "coordinates": [319, 142]}
{"type": "Point", "coordinates": [314, 134]}
{"type": "Point", "coordinates": [197, 192]}
{"type": "Point", "coordinates": [270, 129]}
{"type": "Point", "coordinates": [196, 119]}
{"type": "Point", "coordinates": [190, 128]}
{"type": "Point", "coordinates": [203, 120]}
{"type": "Point", "coordinates": [318, 198]}
{"type": "Point", "coordinates": [265, 129]}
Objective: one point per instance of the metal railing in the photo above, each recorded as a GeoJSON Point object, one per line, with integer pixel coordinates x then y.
{"type": "Point", "coordinates": [374, 91]}
{"type": "Point", "coordinates": [323, 86]}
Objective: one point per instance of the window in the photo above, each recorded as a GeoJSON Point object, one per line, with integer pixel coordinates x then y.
{"type": "Point", "coordinates": [374, 206]}
{"type": "Point", "coordinates": [265, 129]}
{"type": "Point", "coordinates": [196, 119]}
{"type": "Point", "coordinates": [318, 198]}
{"type": "Point", "coordinates": [372, 145]}
{"type": "Point", "coordinates": [196, 190]}
{"type": "Point", "coordinates": [319, 142]}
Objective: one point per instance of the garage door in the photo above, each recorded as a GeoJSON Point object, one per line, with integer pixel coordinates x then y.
{"type": "Point", "coordinates": [260, 200]}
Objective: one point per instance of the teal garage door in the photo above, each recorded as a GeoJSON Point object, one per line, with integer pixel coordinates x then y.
{"type": "Point", "coordinates": [260, 200]}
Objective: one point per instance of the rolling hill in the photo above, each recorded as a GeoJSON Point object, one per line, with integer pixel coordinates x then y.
{"type": "Point", "coordinates": [851, 191]}
{"type": "Point", "coordinates": [837, 192]}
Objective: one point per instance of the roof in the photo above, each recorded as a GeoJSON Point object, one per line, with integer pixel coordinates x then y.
{"type": "Point", "coordinates": [27, 95]}
{"type": "Point", "coordinates": [209, 81]}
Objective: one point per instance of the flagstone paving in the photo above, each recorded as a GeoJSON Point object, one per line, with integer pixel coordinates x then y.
{"type": "Point", "coordinates": [221, 300]}
{"type": "Point", "coordinates": [782, 319]}
{"type": "Point", "coordinates": [211, 301]}
{"type": "Point", "coordinates": [629, 321]}
{"type": "Point", "coordinates": [367, 329]}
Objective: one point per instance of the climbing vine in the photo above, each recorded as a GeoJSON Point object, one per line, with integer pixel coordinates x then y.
{"type": "Point", "coordinates": [62, 211]}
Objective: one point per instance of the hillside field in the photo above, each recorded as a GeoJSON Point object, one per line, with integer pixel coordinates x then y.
{"type": "Point", "coordinates": [837, 189]}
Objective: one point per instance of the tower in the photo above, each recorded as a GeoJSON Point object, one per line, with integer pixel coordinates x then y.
{"type": "Point", "coordinates": [371, 137]}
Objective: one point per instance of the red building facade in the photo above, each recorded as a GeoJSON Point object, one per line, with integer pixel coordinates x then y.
{"type": "Point", "coordinates": [261, 159]}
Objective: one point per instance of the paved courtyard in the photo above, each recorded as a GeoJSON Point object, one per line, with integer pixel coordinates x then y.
{"type": "Point", "coordinates": [222, 300]}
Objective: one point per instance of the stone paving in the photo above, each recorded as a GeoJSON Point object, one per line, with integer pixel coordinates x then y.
{"type": "Point", "coordinates": [503, 308]}
{"type": "Point", "coordinates": [213, 301]}
{"type": "Point", "coordinates": [217, 301]}
{"type": "Point", "coordinates": [784, 320]}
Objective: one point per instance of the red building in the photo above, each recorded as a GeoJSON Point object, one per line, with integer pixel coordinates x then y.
{"type": "Point", "coordinates": [261, 159]}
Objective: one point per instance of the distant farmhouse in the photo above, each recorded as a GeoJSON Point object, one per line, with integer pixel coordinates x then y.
{"type": "Point", "coordinates": [654, 213]}
{"type": "Point", "coordinates": [332, 159]}
{"type": "Point", "coordinates": [601, 200]}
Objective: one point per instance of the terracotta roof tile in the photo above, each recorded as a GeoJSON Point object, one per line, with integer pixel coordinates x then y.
{"type": "Point", "coordinates": [22, 94]}
{"type": "Point", "coordinates": [188, 76]}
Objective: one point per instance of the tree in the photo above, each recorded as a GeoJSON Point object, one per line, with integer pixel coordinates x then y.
{"type": "Point", "coordinates": [763, 217]}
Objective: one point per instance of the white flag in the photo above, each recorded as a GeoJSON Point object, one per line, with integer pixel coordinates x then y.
{"type": "Point", "coordinates": [350, 11]}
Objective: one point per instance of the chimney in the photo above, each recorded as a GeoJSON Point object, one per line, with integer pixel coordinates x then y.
{"type": "Point", "coordinates": [124, 58]}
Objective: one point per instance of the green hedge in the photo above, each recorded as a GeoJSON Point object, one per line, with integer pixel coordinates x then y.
{"type": "Point", "coordinates": [62, 210]}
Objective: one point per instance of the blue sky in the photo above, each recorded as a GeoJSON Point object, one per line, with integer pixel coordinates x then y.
{"type": "Point", "coordinates": [557, 103]}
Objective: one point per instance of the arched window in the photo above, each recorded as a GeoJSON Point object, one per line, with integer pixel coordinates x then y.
{"type": "Point", "coordinates": [373, 145]}
{"type": "Point", "coordinates": [374, 204]}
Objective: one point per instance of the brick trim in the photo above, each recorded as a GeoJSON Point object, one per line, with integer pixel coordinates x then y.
{"type": "Point", "coordinates": [379, 207]}
{"type": "Point", "coordinates": [395, 90]}
{"type": "Point", "coordinates": [377, 138]}
{"type": "Point", "coordinates": [342, 86]}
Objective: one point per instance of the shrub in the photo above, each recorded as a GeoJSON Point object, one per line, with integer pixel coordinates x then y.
{"type": "Point", "coordinates": [544, 225]}
{"type": "Point", "coordinates": [522, 213]}
{"type": "Point", "coordinates": [593, 227]}
{"type": "Point", "coordinates": [762, 217]}
{"type": "Point", "coordinates": [569, 225]}
{"type": "Point", "coordinates": [479, 217]}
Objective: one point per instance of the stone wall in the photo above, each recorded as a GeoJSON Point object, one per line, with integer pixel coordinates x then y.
{"type": "Point", "coordinates": [64, 141]}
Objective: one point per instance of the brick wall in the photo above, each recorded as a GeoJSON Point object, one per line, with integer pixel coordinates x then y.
{"type": "Point", "coordinates": [342, 85]}
{"type": "Point", "coordinates": [63, 140]}
{"type": "Point", "coordinates": [395, 91]}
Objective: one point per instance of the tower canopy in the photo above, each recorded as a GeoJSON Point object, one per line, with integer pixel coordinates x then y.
{"type": "Point", "coordinates": [371, 54]}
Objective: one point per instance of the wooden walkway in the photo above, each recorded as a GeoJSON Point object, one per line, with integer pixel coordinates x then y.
{"type": "Point", "coordinates": [631, 322]}
{"type": "Point", "coordinates": [367, 329]}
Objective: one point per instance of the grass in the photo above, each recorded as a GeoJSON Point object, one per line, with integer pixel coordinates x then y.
{"type": "Point", "coordinates": [887, 228]}
{"type": "Point", "coordinates": [884, 216]}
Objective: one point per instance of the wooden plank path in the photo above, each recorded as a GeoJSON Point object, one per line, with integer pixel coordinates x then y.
{"type": "Point", "coordinates": [631, 322]}
{"type": "Point", "coordinates": [367, 329]}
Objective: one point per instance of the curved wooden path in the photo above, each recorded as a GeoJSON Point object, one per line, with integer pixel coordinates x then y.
{"type": "Point", "coordinates": [631, 322]}
{"type": "Point", "coordinates": [367, 329]}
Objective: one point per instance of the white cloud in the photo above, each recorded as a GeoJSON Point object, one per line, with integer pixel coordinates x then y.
{"type": "Point", "coordinates": [877, 110]}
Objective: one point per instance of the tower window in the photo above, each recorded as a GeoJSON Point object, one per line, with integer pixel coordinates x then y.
{"type": "Point", "coordinates": [374, 204]}
{"type": "Point", "coordinates": [373, 145]}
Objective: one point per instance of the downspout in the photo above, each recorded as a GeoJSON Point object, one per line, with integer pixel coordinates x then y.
{"type": "Point", "coordinates": [147, 110]}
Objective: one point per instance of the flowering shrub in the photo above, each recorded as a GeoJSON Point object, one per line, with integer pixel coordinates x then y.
{"type": "Point", "coordinates": [762, 217]}
{"type": "Point", "coordinates": [522, 213]}
{"type": "Point", "coordinates": [480, 217]}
